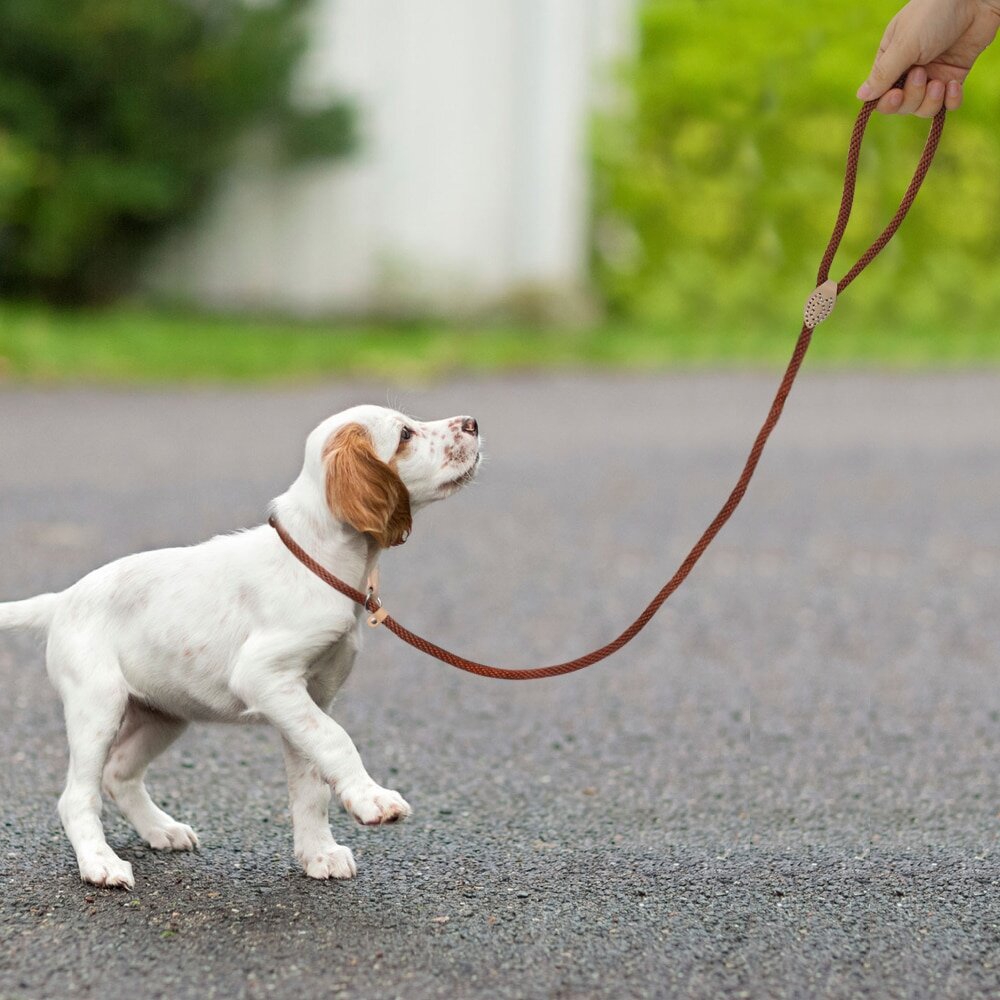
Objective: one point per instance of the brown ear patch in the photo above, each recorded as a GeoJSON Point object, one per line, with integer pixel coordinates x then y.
{"type": "Point", "coordinates": [363, 490]}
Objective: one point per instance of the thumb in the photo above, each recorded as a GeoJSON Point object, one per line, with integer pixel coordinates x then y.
{"type": "Point", "coordinates": [895, 56]}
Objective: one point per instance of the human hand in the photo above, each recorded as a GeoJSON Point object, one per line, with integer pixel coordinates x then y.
{"type": "Point", "coordinates": [935, 43]}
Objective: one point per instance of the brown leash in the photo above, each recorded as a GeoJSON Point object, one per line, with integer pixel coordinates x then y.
{"type": "Point", "coordinates": [818, 307]}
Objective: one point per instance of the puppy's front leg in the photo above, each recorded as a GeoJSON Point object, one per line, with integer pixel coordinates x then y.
{"type": "Point", "coordinates": [309, 799]}
{"type": "Point", "coordinates": [269, 678]}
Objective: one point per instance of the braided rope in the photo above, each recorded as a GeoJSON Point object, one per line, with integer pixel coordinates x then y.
{"type": "Point", "coordinates": [732, 502]}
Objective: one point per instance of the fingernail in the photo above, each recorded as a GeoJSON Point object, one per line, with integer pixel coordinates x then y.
{"type": "Point", "coordinates": [918, 76]}
{"type": "Point", "coordinates": [865, 92]}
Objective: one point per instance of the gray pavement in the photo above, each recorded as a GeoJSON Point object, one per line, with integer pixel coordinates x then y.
{"type": "Point", "coordinates": [788, 786]}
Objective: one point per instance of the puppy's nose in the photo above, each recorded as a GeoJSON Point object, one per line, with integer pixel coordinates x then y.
{"type": "Point", "coordinates": [469, 426]}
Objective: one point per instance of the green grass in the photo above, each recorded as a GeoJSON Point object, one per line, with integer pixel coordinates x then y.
{"type": "Point", "coordinates": [139, 344]}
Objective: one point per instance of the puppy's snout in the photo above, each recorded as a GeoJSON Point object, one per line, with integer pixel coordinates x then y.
{"type": "Point", "coordinates": [469, 426]}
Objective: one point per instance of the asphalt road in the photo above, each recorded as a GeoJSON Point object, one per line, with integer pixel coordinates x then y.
{"type": "Point", "coordinates": [788, 786]}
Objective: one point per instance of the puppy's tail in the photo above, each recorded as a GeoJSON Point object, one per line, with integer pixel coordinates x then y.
{"type": "Point", "coordinates": [35, 613]}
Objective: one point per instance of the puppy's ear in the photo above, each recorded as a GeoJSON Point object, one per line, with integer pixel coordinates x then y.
{"type": "Point", "coordinates": [362, 490]}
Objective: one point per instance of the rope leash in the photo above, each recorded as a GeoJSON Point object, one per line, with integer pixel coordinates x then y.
{"type": "Point", "coordinates": [818, 307]}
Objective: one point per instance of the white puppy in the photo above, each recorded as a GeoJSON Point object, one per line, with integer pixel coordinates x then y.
{"type": "Point", "coordinates": [237, 630]}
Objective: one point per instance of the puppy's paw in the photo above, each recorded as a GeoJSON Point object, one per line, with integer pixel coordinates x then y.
{"type": "Point", "coordinates": [105, 868]}
{"type": "Point", "coordinates": [172, 837]}
{"type": "Point", "coordinates": [372, 805]}
{"type": "Point", "coordinates": [335, 861]}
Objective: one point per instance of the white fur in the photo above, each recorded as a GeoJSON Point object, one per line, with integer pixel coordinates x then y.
{"type": "Point", "coordinates": [232, 630]}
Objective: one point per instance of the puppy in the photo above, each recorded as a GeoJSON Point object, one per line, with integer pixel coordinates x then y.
{"type": "Point", "coordinates": [237, 630]}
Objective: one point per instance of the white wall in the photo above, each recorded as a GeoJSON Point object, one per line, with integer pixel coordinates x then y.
{"type": "Point", "coordinates": [471, 183]}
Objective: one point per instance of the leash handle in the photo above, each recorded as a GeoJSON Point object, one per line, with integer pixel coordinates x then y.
{"type": "Point", "coordinates": [850, 182]}
{"type": "Point", "coordinates": [818, 307]}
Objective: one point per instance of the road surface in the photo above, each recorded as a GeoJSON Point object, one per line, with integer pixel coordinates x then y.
{"type": "Point", "coordinates": [787, 786]}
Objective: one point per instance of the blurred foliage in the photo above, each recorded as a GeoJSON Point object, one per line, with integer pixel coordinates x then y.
{"type": "Point", "coordinates": [116, 115]}
{"type": "Point", "coordinates": [719, 174]}
{"type": "Point", "coordinates": [126, 342]}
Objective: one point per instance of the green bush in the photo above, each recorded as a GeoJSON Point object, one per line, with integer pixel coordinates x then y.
{"type": "Point", "coordinates": [115, 116]}
{"type": "Point", "coordinates": [718, 176]}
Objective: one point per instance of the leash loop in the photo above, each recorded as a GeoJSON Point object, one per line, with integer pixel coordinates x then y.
{"type": "Point", "coordinates": [818, 308]}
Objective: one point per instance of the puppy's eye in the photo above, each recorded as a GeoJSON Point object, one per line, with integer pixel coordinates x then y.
{"type": "Point", "coordinates": [405, 434]}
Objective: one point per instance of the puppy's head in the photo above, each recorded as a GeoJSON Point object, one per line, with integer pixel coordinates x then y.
{"type": "Point", "coordinates": [379, 466]}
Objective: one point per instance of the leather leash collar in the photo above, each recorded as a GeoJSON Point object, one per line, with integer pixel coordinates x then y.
{"type": "Point", "coordinates": [818, 307]}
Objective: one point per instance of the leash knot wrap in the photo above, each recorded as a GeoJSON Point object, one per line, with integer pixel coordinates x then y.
{"type": "Point", "coordinates": [820, 304]}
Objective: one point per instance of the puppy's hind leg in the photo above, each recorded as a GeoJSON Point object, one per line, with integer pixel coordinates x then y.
{"type": "Point", "coordinates": [94, 697]}
{"type": "Point", "coordinates": [309, 797]}
{"type": "Point", "coordinates": [144, 735]}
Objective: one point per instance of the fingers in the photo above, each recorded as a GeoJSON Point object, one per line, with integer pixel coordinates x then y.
{"type": "Point", "coordinates": [890, 102]}
{"type": "Point", "coordinates": [953, 95]}
{"type": "Point", "coordinates": [933, 100]}
{"type": "Point", "coordinates": [914, 90]}
{"type": "Point", "coordinates": [920, 96]}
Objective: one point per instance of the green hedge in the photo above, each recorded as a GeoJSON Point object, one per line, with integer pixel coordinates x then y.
{"type": "Point", "coordinates": [116, 115]}
{"type": "Point", "coordinates": [718, 175]}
